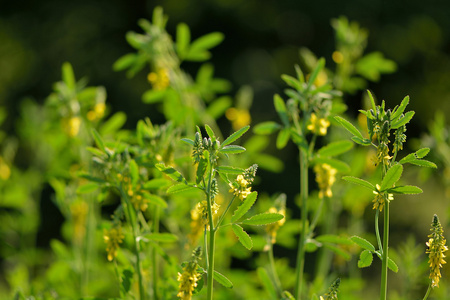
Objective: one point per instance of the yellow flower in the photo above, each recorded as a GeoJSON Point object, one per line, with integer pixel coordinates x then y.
{"type": "Point", "coordinates": [159, 79]}
{"type": "Point", "coordinates": [97, 112]}
{"type": "Point", "coordinates": [337, 57]}
{"type": "Point", "coordinates": [199, 218]}
{"type": "Point", "coordinates": [272, 228]}
{"type": "Point", "coordinates": [318, 125]}
{"type": "Point", "coordinates": [325, 178]}
{"type": "Point", "coordinates": [238, 117]}
{"type": "Point", "coordinates": [79, 211]}
{"type": "Point", "coordinates": [381, 198]}
{"type": "Point", "coordinates": [321, 79]}
{"type": "Point", "coordinates": [239, 187]}
{"type": "Point", "coordinates": [188, 280]}
{"type": "Point", "coordinates": [112, 239]}
{"type": "Point", "coordinates": [5, 171]}
{"type": "Point", "coordinates": [436, 248]}
{"type": "Point", "coordinates": [72, 126]}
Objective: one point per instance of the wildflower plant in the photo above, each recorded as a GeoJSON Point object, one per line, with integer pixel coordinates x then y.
{"type": "Point", "coordinates": [380, 123]}
{"type": "Point", "coordinates": [207, 153]}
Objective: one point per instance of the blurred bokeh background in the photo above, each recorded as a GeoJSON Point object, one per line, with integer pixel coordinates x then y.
{"type": "Point", "coordinates": [262, 41]}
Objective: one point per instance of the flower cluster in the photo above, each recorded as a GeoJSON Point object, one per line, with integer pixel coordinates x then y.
{"type": "Point", "coordinates": [272, 228]}
{"type": "Point", "coordinates": [325, 178]}
{"type": "Point", "coordinates": [97, 112]}
{"type": "Point", "coordinates": [112, 239]}
{"type": "Point", "coordinates": [436, 248]}
{"type": "Point", "coordinates": [72, 126]}
{"type": "Point", "coordinates": [159, 79]}
{"type": "Point", "coordinates": [238, 117]}
{"type": "Point", "coordinates": [381, 198]}
{"type": "Point", "coordinates": [332, 292]}
{"type": "Point", "coordinates": [189, 278]}
{"type": "Point", "coordinates": [317, 125]}
{"type": "Point", "coordinates": [240, 187]}
{"type": "Point", "coordinates": [135, 194]}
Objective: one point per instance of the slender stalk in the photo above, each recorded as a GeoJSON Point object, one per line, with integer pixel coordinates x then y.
{"type": "Point", "coordinates": [212, 233]}
{"type": "Point", "coordinates": [384, 265]}
{"type": "Point", "coordinates": [275, 277]}
{"type": "Point", "coordinates": [299, 270]}
{"type": "Point", "coordinates": [377, 230]}
{"type": "Point", "coordinates": [428, 292]}
{"type": "Point", "coordinates": [154, 254]}
{"type": "Point", "coordinates": [225, 212]}
{"type": "Point", "coordinates": [131, 216]}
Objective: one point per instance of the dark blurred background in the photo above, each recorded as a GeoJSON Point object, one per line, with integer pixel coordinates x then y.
{"type": "Point", "coordinates": [262, 42]}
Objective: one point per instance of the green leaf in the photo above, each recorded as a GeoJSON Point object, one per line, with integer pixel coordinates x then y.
{"type": "Point", "coordinates": [406, 189]}
{"type": "Point", "coordinates": [243, 236]}
{"type": "Point", "coordinates": [201, 169]}
{"type": "Point", "coordinates": [403, 120]}
{"type": "Point", "coordinates": [210, 132]}
{"type": "Point", "coordinates": [95, 151]}
{"type": "Point", "coordinates": [359, 181]}
{"type": "Point", "coordinates": [183, 39]}
{"type": "Point", "coordinates": [156, 183]}
{"type": "Point", "coordinates": [230, 170]}
{"type": "Point", "coordinates": [320, 65]}
{"type": "Point", "coordinates": [232, 149]}
{"type": "Point", "coordinates": [92, 178]}
{"type": "Point", "coordinates": [244, 207]}
{"type": "Point", "coordinates": [87, 188]}
{"type": "Point", "coordinates": [171, 172]}
{"type": "Point", "coordinates": [162, 237]}
{"type": "Point", "coordinates": [408, 158]}
{"type": "Point", "coordinates": [338, 251]}
{"type": "Point", "coordinates": [267, 282]}
{"type": "Point", "coordinates": [127, 279]}
{"type": "Point", "coordinates": [372, 65]}
{"type": "Point", "coordinates": [235, 135]}
{"type": "Point", "coordinates": [98, 140]}
{"type": "Point", "coordinates": [291, 81]}
{"type": "Point", "coordinates": [372, 100]}
{"type": "Point", "coordinates": [333, 239]}
{"type": "Point", "coordinates": [391, 177]}
{"type": "Point", "coordinates": [154, 199]}
{"type": "Point", "coordinates": [335, 148]}
{"type": "Point", "coordinates": [398, 112]}
{"type": "Point", "coordinates": [188, 141]}
{"type": "Point", "coordinates": [207, 42]}
{"type": "Point", "coordinates": [364, 142]}
{"type": "Point", "coordinates": [153, 96]}
{"type": "Point", "coordinates": [217, 108]}
{"type": "Point", "coordinates": [263, 219]}
{"type": "Point", "coordinates": [222, 280]}
{"type": "Point", "coordinates": [68, 76]}
{"type": "Point", "coordinates": [134, 172]}
{"type": "Point", "coordinates": [180, 188]}
{"type": "Point", "coordinates": [280, 107]}
{"type": "Point", "coordinates": [349, 126]}
{"type": "Point", "coordinates": [341, 166]}
{"type": "Point", "coordinates": [124, 62]}
{"type": "Point", "coordinates": [391, 264]}
{"type": "Point", "coordinates": [423, 163]}
{"type": "Point", "coordinates": [421, 153]}
{"type": "Point", "coordinates": [365, 259]}
{"type": "Point", "coordinates": [283, 138]}
{"type": "Point", "coordinates": [363, 243]}
{"type": "Point", "coordinates": [113, 124]}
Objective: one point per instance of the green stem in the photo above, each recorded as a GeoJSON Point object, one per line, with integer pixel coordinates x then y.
{"type": "Point", "coordinates": [225, 212]}
{"type": "Point", "coordinates": [299, 270]}
{"type": "Point", "coordinates": [154, 254]}
{"type": "Point", "coordinates": [275, 277]}
{"type": "Point", "coordinates": [384, 265]}
{"type": "Point", "coordinates": [428, 292]}
{"type": "Point", "coordinates": [212, 233]}
{"type": "Point", "coordinates": [131, 216]}
{"type": "Point", "coordinates": [377, 231]}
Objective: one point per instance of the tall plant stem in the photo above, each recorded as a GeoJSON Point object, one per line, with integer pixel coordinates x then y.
{"type": "Point", "coordinates": [300, 266]}
{"type": "Point", "coordinates": [276, 279]}
{"type": "Point", "coordinates": [212, 233]}
{"type": "Point", "coordinates": [428, 292]}
{"type": "Point", "coordinates": [131, 216]}
{"type": "Point", "coordinates": [154, 254]}
{"type": "Point", "coordinates": [384, 265]}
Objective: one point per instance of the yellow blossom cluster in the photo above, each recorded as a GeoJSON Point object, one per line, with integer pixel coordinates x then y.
{"type": "Point", "coordinates": [238, 117]}
{"type": "Point", "coordinates": [317, 125]}
{"type": "Point", "coordinates": [199, 217]}
{"type": "Point", "coordinates": [97, 112]}
{"type": "Point", "coordinates": [71, 126]}
{"type": "Point", "coordinates": [135, 194]}
{"type": "Point", "coordinates": [112, 239]}
{"type": "Point", "coordinates": [159, 79]}
{"type": "Point", "coordinates": [5, 171]}
{"type": "Point", "coordinates": [436, 248]}
{"type": "Point", "coordinates": [272, 228]}
{"type": "Point", "coordinates": [188, 281]}
{"type": "Point", "coordinates": [380, 198]}
{"type": "Point", "coordinates": [325, 178]}
{"type": "Point", "coordinates": [240, 187]}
